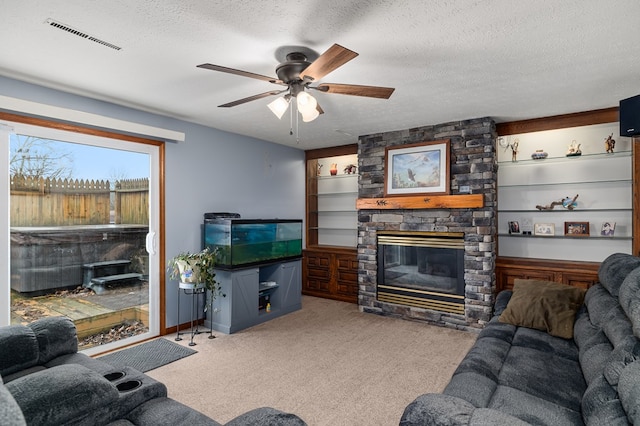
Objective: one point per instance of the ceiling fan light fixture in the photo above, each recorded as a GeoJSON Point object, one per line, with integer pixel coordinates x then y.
{"type": "Point", "coordinates": [306, 104]}
{"type": "Point", "coordinates": [309, 115]}
{"type": "Point", "coordinates": [279, 106]}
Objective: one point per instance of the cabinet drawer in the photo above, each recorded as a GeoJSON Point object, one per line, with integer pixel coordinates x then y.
{"type": "Point", "coordinates": [319, 260]}
{"type": "Point", "coordinates": [318, 273]}
{"type": "Point", "coordinates": [317, 285]}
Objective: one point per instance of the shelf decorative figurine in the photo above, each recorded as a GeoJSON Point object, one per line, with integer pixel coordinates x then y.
{"type": "Point", "coordinates": [350, 169]}
{"type": "Point", "coordinates": [539, 155]}
{"type": "Point", "coordinates": [514, 150]}
{"type": "Point", "coordinates": [609, 144]}
{"type": "Point", "coordinates": [574, 149]}
{"type": "Point", "coordinates": [567, 202]}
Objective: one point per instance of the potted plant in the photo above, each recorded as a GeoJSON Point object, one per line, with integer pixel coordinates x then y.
{"type": "Point", "coordinates": [196, 271]}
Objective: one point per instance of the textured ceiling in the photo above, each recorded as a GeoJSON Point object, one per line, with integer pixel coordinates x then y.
{"type": "Point", "coordinates": [447, 59]}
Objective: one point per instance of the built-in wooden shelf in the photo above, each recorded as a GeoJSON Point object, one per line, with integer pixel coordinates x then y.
{"type": "Point", "coordinates": [462, 201]}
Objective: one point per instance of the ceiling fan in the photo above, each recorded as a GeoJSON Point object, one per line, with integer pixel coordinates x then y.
{"type": "Point", "coordinates": [297, 74]}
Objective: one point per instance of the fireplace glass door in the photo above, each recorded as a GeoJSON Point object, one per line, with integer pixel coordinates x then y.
{"type": "Point", "coordinates": [421, 269]}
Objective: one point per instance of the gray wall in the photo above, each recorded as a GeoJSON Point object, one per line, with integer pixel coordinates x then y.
{"type": "Point", "coordinates": [211, 171]}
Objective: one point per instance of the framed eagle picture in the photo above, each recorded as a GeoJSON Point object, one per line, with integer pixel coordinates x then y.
{"type": "Point", "coordinates": [421, 168]}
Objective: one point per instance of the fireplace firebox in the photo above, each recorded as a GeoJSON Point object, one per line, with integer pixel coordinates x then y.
{"type": "Point", "coordinates": [421, 269]}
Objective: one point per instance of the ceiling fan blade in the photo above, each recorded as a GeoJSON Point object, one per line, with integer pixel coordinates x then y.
{"type": "Point", "coordinates": [252, 98]}
{"type": "Point", "coordinates": [241, 73]}
{"type": "Point", "coordinates": [356, 90]}
{"type": "Point", "coordinates": [333, 58]}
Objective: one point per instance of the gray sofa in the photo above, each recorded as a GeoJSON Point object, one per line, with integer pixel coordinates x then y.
{"type": "Point", "coordinates": [517, 375]}
{"type": "Point", "coordinates": [45, 381]}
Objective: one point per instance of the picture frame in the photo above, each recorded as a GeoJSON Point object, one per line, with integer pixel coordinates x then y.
{"type": "Point", "coordinates": [514, 227]}
{"type": "Point", "coordinates": [608, 229]}
{"type": "Point", "coordinates": [544, 229]}
{"type": "Point", "coordinates": [421, 168]}
{"type": "Point", "coordinates": [576, 229]}
{"type": "Point", "coordinates": [526, 225]}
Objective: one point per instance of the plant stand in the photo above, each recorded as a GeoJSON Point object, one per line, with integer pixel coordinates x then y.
{"type": "Point", "coordinates": [193, 290]}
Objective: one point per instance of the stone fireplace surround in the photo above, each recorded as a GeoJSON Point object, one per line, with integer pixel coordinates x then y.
{"type": "Point", "coordinates": [473, 164]}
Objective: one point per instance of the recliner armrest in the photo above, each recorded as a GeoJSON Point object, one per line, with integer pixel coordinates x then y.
{"type": "Point", "coordinates": [62, 394]}
{"type": "Point", "coordinates": [440, 409]}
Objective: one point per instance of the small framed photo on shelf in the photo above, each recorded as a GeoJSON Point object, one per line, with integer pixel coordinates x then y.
{"type": "Point", "coordinates": [576, 229]}
{"type": "Point", "coordinates": [608, 229]}
{"type": "Point", "coordinates": [514, 227]}
{"type": "Point", "coordinates": [544, 229]}
{"type": "Point", "coordinates": [526, 226]}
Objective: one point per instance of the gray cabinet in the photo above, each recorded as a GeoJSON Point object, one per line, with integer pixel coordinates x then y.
{"type": "Point", "coordinates": [255, 295]}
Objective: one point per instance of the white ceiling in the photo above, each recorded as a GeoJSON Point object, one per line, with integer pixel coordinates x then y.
{"type": "Point", "coordinates": [447, 59]}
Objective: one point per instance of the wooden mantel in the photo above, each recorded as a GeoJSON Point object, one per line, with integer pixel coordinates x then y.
{"type": "Point", "coordinates": [463, 201]}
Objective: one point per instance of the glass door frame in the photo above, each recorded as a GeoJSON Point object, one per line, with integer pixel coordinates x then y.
{"type": "Point", "coordinates": [10, 123]}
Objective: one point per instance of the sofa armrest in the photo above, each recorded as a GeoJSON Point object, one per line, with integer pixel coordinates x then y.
{"type": "Point", "coordinates": [439, 409]}
{"type": "Point", "coordinates": [62, 395]}
{"type": "Point", "coordinates": [56, 336]}
{"type": "Point", "coordinates": [167, 411]}
{"type": "Point", "coordinates": [501, 302]}
{"type": "Point", "coordinates": [266, 416]}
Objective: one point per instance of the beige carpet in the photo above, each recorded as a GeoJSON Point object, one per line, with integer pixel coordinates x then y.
{"type": "Point", "coordinates": [328, 363]}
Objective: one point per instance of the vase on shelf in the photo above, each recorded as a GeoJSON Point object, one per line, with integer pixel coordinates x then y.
{"type": "Point", "coordinates": [334, 169]}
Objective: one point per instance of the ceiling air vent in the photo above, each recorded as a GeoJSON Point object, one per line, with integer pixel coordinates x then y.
{"type": "Point", "coordinates": [73, 31]}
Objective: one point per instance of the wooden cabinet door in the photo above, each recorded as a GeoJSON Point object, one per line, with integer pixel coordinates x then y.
{"type": "Point", "coordinates": [316, 276]}
{"type": "Point", "coordinates": [576, 274]}
{"type": "Point", "coordinates": [346, 268]}
{"type": "Point", "coordinates": [332, 274]}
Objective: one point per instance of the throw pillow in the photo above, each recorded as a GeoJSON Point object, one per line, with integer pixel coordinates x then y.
{"type": "Point", "coordinates": [544, 305]}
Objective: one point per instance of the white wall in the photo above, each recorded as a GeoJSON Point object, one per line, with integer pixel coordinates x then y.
{"type": "Point", "coordinates": [211, 171]}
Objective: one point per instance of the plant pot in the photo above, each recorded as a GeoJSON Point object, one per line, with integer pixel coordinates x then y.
{"type": "Point", "coordinates": [188, 273]}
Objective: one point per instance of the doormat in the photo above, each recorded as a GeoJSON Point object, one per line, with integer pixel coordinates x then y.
{"type": "Point", "coordinates": [148, 356]}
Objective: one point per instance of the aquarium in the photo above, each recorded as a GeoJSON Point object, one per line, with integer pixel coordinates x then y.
{"type": "Point", "coordinates": [245, 242]}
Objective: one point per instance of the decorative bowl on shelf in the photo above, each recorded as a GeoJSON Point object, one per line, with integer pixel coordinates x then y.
{"type": "Point", "coordinates": [539, 155]}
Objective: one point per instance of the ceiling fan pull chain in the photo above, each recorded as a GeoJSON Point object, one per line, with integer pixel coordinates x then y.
{"type": "Point", "coordinates": [297, 128]}
{"type": "Point", "coordinates": [291, 120]}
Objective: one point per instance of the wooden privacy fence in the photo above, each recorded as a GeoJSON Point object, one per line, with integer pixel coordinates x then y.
{"type": "Point", "coordinates": [132, 201]}
{"type": "Point", "coordinates": [38, 201]}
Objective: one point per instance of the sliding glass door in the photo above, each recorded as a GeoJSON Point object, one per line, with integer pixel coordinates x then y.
{"type": "Point", "coordinates": [80, 233]}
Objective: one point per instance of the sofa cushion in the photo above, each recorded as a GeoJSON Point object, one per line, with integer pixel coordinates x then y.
{"type": "Point", "coordinates": [532, 409]}
{"type": "Point", "coordinates": [10, 413]}
{"type": "Point", "coordinates": [623, 355]}
{"type": "Point", "coordinates": [24, 349]}
{"type": "Point", "coordinates": [62, 394]}
{"type": "Point", "coordinates": [601, 405]}
{"type": "Point", "coordinates": [544, 305]}
{"type": "Point", "coordinates": [629, 391]}
{"type": "Point", "coordinates": [532, 371]}
{"type": "Point", "coordinates": [630, 299]}
{"type": "Point", "coordinates": [614, 269]}
{"type": "Point", "coordinates": [599, 302]}
{"type": "Point", "coordinates": [56, 336]}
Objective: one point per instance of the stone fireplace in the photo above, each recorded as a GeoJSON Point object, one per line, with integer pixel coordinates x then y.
{"type": "Point", "coordinates": [453, 287]}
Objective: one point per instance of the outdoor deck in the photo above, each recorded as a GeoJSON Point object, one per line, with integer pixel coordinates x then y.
{"type": "Point", "coordinates": [92, 313]}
